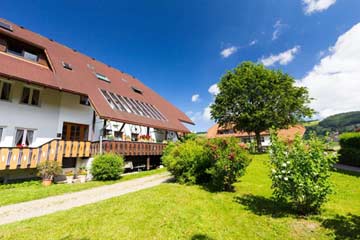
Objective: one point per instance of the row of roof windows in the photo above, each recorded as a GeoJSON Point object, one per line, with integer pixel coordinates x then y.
{"type": "Point", "coordinates": [133, 106]}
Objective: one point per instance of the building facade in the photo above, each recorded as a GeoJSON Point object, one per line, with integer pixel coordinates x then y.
{"type": "Point", "coordinates": [54, 99]}
{"type": "Point", "coordinates": [287, 135]}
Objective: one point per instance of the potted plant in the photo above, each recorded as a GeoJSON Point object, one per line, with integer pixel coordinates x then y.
{"type": "Point", "coordinates": [69, 176]}
{"type": "Point", "coordinates": [47, 170]}
{"type": "Point", "coordinates": [81, 174]}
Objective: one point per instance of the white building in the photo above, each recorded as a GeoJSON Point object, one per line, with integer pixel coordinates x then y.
{"type": "Point", "coordinates": [51, 92]}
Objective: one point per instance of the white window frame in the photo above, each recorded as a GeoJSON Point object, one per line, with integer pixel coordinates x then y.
{"type": "Point", "coordinates": [2, 81]}
{"type": "Point", "coordinates": [24, 135]}
{"type": "Point", "coordinates": [32, 88]}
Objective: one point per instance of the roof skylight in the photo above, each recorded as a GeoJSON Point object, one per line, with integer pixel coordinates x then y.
{"type": "Point", "coordinates": [6, 26]}
{"type": "Point", "coordinates": [102, 77]}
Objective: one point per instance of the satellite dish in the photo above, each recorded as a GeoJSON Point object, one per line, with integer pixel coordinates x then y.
{"type": "Point", "coordinates": [170, 135]}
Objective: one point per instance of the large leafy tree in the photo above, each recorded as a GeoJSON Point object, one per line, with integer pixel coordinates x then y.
{"type": "Point", "coordinates": [253, 98]}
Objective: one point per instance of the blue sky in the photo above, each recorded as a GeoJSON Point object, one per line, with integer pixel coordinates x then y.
{"type": "Point", "coordinates": [181, 48]}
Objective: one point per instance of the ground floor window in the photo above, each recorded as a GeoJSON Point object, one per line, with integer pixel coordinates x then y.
{"type": "Point", "coordinates": [69, 163]}
{"type": "Point", "coordinates": [24, 137]}
{"type": "Point", "coordinates": [1, 131]}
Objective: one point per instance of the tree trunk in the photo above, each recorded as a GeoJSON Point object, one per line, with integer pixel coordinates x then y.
{"type": "Point", "coordinates": [258, 142]}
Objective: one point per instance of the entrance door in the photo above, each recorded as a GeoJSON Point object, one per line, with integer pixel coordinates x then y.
{"type": "Point", "coordinates": [75, 132]}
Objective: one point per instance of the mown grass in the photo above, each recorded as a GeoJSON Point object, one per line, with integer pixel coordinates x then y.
{"type": "Point", "coordinates": [173, 211]}
{"type": "Point", "coordinates": [34, 190]}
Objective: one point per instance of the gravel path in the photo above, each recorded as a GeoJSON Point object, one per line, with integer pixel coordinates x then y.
{"type": "Point", "coordinates": [36, 208]}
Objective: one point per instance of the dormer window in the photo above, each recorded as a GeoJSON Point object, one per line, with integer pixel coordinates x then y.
{"type": "Point", "coordinates": [23, 50]}
{"type": "Point", "coordinates": [67, 65]}
{"type": "Point", "coordinates": [137, 90]}
{"type": "Point", "coordinates": [6, 26]}
{"type": "Point", "coordinates": [30, 56]}
{"type": "Point", "coordinates": [18, 50]}
{"type": "Point", "coordinates": [102, 77]}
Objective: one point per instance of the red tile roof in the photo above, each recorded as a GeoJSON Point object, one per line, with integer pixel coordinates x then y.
{"type": "Point", "coordinates": [82, 80]}
{"type": "Point", "coordinates": [284, 134]}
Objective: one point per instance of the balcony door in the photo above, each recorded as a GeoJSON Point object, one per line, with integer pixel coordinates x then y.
{"type": "Point", "coordinates": [75, 132]}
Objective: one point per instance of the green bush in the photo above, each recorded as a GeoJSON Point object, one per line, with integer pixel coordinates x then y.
{"type": "Point", "coordinates": [300, 172]}
{"type": "Point", "coordinates": [216, 163]}
{"type": "Point", "coordinates": [229, 163]}
{"type": "Point", "coordinates": [351, 139]}
{"type": "Point", "coordinates": [187, 161]}
{"type": "Point", "coordinates": [350, 149]}
{"type": "Point", "coordinates": [107, 166]}
{"type": "Point", "coordinates": [48, 170]}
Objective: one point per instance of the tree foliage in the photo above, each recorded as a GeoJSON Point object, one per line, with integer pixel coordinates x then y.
{"type": "Point", "coordinates": [254, 99]}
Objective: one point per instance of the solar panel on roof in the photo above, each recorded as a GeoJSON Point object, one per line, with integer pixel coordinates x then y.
{"type": "Point", "coordinates": [6, 26]}
{"type": "Point", "coordinates": [133, 106]}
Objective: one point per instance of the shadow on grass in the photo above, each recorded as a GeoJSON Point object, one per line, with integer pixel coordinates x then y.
{"type": "Point", "coordinates": [345, 227]}
{"type": "Point", "coordinates": [201, 237]}
{"type": "Point", "coordinates": [260, 205]}
{"type": "Point", "coordinates": [347, 172]}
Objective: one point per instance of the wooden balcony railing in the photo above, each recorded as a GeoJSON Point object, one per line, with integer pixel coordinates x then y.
{"type": "Point", "coordinates": [55, 150]}
{"type": "Point", "coordinates": [127, 148]}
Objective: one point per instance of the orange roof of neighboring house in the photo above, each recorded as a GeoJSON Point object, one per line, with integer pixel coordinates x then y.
{"type": "Point", "coordinates": [285, 134]}
{"type": "Point", "coordinates": [82, 80]}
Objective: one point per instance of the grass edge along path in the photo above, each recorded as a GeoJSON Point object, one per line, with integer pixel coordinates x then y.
{"type": "Point", "coordinates": [34, 190]}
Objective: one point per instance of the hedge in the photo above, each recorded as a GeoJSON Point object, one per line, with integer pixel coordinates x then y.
{"type": "Point", "coordinates": [350, 149]}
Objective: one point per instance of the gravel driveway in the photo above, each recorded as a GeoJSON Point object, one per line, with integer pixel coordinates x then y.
{"type": "Point", "coordinates": [36, 208]}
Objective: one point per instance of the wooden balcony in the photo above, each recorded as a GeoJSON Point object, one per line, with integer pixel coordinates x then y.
{"type": "Point", "coordinates": [56, 150]}
{"type": "Point", "coordinates": [127, 148]}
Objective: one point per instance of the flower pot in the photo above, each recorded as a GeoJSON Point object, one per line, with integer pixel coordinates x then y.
{"type": "Point", "coordinates": [82, 178]}
{"type": "Point", "coordinates": [69, 179]}
{"type": "Point", "coordinates": [46, 182]}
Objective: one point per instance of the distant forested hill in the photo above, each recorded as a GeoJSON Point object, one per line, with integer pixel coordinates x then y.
{"type": "Point", "coordinates": [342, 122]}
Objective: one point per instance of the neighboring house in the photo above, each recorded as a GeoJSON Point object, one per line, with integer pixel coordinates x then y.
{"type": "Point", "coordinates": [57, 104]}
{"type": "Point", "coordinates": [228, 131]}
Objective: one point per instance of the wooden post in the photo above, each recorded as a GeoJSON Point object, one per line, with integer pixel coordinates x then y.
{"type": "Point", "coordinates": [148, 163]}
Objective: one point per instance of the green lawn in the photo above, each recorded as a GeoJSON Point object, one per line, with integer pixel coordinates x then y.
{"type": "Point", "coordinates": [34, 190]}
{"type": "Point", "coordinates": [173, 211]}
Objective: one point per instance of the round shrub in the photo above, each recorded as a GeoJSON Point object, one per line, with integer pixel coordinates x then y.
{"type": "Point", "coordinates": [300, 172]}
{"type": "Point", "coordinates": [229, 161]}
{"type": "Point", "coordinates": [215, 163]}
{"type": "Point", "coordinates": [187, 161]}
{"type": "Point", "coordinates": [107, 166]}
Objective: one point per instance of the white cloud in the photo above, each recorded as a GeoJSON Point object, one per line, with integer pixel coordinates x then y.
{"type": "Point", "coordinates": [282, 58]}
{"type": "Point", "coordinates": [253, 42]}
{"type": "Point", "coordinates": [195, 98]}
{"type": "Point", "coordinates": [278, 27]}
{"type": "Point", "coordinates": [206, 113]}
{"type": "Point", "coordinates": [227, 52]}
{"type": "Point", "coordinates": [214, 89]}
{"type": "Point", "coordinates": [335, 81]}
{"type": "Point", "coordinates": [202, 119]}
{"type": "Point", "coordinates": [312, 6]}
